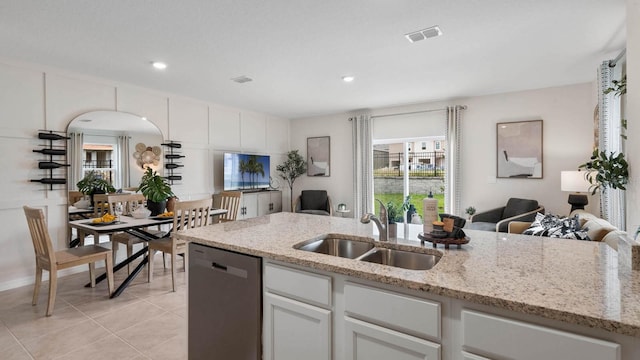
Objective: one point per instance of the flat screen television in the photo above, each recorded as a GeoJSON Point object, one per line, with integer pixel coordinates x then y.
{"type": "Point", "coordinates": [246, 172]}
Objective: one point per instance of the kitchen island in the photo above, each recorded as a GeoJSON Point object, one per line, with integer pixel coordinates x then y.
{"type": "Point", "coordinates": [533, 289]}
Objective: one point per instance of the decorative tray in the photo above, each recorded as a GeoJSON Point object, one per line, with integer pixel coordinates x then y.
{"type": "Point", "coordinates": [446, 241]}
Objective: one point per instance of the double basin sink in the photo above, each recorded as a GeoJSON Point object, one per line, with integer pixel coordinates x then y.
{"type": "Point", "coordinates": [366, 250]}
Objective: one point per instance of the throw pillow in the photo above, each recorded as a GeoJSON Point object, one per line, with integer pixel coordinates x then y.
{"type": "Point", "coordinates": [559, 227]}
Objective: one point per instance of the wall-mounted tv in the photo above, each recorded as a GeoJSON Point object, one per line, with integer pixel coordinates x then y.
{"type": "Point", "coordinates": [246, 172]}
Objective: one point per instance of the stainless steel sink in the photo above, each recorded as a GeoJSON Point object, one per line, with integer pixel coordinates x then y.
{"type": "Point", "coordinates": [402, 259]}
{"type": "Point", "coordinates": [336, 246]}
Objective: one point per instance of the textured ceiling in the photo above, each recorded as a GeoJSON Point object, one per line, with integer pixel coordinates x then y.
{"type": "Point", "coordinates": [296, 51]}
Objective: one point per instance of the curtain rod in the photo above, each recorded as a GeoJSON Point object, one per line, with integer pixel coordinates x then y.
{"type": "Point", "coordinates": [463, 107]}
{"type": "Point", "coordinates": [612, 63]}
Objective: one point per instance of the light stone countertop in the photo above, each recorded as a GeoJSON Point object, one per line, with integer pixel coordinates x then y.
{"type": "Point", "coordinates": [577, 282]}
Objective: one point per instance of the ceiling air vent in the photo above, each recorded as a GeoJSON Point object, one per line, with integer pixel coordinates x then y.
{"type": "Point", "coordinates": [419, 35]}
{"type": "Point", "coordinates": [242, 79]}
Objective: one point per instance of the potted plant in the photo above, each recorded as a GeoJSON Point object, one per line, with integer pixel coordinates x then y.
{"type": "Point", "coordinates": [294, 167]}
{"type": "Point", "coordinates": [395, 214]}
{"type": "Point", "coordinates": [92, 183]}
{"type": "Point", "coordinates": [156, 189]}
{"type": "Point", "coordinates": [470, 211]}
{"type": "Point", "coordinates": [606, 171]}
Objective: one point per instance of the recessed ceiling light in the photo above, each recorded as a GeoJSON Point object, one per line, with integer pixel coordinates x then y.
{"type": "Point", "coordinates": [85, 120]}
{"type": "Point", "coordinates": [427, 33]}
{"type": "Point", "coordinates": [348, 78]}
{"type": "Point", "coordinates": [159, 65]}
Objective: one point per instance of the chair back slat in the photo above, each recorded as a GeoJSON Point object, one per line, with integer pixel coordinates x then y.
{"type": "Point", "coordinates": [42, 245]}
{"type": "Point", "coordinates": [191, 214]}
{"type": "Point", "coordinates": [230, 201]}
{"type": "Point", "coordinates": [129, 202]}
{"type": "Point", "coordinates": [75, 196]}
{"type": "Point", "coordinates": [100, 205]}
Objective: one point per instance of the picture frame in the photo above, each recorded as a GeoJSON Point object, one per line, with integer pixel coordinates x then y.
{"type": "Point", "coordinates": [319, 156]}
{"type": "Point", "coordinates": [519, 149]}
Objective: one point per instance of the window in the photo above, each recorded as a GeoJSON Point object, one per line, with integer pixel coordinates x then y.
{"type": "Point", "coordinates": [437, 145]}
{"type": "Point", "coordinates": [424, 145]}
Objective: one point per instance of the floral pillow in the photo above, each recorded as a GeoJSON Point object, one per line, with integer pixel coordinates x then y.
{"type": "Point", "coordinates": [557, 227]}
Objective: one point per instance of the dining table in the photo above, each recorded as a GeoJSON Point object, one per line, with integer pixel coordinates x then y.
{"type": "Point", "coordinates": [132, 226]}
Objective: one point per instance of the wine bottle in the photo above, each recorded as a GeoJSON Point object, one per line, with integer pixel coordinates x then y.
{"type": "Point", "coordinates": [174, 177]}
{"type": "Point", "coordinates": [172, 166]}
{"type": "Point", "coordinates": [50, 181]}
{"type": "Point", "coordinates": [173, 156]}
{"type": "Point", "coordinates": [51, 151]}
{"type": "Point", "coordinates": [51, 136]}
{"type": "Point", "coordinates": [50, 165]}
{"type": "Point", "coordinates": [173, 145]}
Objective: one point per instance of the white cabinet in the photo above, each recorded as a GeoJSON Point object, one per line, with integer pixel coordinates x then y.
{"type": "Point", "coordinates": [260, 203]}
{"type": "Point", "coordinates": [365, 341]}
{"type": "Point", "coordinates": [520, 340]}
{"type": "Point", "coordinates": [296, 330]}
{"type": "Point", "coordinates": [294, 326]}
{"type": "Point", "coordinates": [381, 324]}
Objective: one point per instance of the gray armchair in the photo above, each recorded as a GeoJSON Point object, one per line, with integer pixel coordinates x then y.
{"type": "Point", "coordinates": [498, 219]}
{"type": "Point", "coordinates": [315, 202]}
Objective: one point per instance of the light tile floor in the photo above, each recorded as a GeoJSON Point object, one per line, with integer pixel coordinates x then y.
{"type": "Point", "coordinates": [147, 321]}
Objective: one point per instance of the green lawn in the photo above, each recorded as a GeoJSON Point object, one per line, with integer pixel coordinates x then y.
{"type": "Point", "coordinates": [416, 200]}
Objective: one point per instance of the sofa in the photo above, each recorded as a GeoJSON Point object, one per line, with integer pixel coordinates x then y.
{"type": "Point", "coordinates": [597, 229]}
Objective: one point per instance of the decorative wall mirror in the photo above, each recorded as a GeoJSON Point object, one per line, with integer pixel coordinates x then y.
{"type": "Point", "coordinates": [106, 142]}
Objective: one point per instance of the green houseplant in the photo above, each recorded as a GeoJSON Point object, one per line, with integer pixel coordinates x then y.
{"type": "Point", "coordinates": [294, 167]}
{"type": "Point", "coordinates": [156, 189]}
{"type": "Point", "coordinates": [92, 183]}
{"type": "Point", "coordinates": [606, 171]}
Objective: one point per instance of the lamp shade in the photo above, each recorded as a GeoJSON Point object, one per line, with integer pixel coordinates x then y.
{"type": "Point", "coordinates": [574, 181]}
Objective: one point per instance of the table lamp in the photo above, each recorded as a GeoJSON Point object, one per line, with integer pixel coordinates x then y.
{"type": "Point", "coordinates": [575, 182]}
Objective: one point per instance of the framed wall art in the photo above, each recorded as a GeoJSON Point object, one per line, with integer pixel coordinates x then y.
{"type": "Point", "coordinates": [318, 156]}
{"type": "Point", "coordinates": [519, 149]}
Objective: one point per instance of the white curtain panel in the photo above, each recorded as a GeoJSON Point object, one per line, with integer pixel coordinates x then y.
{"type": "Point", "coordinates": [75, 159]}
{"type": "Point", "coordinates": [612, 201]}
{"type": "Point", "coordinates": [452, 158]}
{"type": "Point", "coordinates": [123, 160]}
{"type": "Point", "coordinates": [362, 164]}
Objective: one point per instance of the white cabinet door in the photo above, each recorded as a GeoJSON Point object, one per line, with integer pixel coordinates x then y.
{"type": "Point", "coordinates": [249, 206]}
{"type": "Point", "coordinates": [276, 201]}
{"type": "Point", "coordinates": [468, 356]}
{"type": "Point", "coordinates": [269, 202]}
{"type": "Point", "coordinates": [365, 341]}
{"type": "Point", "coordinates": [294, 330]}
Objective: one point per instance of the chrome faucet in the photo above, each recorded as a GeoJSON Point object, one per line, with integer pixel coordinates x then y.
{"type": "Point", "coordinates": [382, 223]}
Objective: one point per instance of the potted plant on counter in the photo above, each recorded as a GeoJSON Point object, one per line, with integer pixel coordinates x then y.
{"type": "Point", "coordinates": [395, 213]}
{"type": "Point", "coordinates": [92, 183]}
{"type": "Point", "coordinates": [156, 189]}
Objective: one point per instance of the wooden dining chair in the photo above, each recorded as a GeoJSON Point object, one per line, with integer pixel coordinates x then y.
{"type": "Point", "coordinates": [129, 203]}
{"type": "Point", "coordinates": [49, 259]}
{"type": "Point", "coordinates": [230, 201]}
{"type": "Point", "coordinates": [186, 215]}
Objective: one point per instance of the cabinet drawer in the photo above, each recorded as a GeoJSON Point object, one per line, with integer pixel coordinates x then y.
{"type": "Point", "coordinates": [301, 285]}
{"type": "Point", "coordinates": [494, 336]}
{"type": "Point", "coordinates": [404, 313]}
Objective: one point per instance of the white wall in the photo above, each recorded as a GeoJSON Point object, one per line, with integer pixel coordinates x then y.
{"type": "Point", "coordinates": [567, 113]}
{"type": "Point", "coordinates": [34, 97]}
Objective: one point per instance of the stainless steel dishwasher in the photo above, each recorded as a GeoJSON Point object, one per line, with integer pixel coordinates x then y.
{"type": "Point", "coordinates": [224, 304]}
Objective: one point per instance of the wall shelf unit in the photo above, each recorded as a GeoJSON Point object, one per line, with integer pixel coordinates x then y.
{"type": "Point", "coordinates": [172, 164]}
{"type": "Point", "coordinates": [54, 149]}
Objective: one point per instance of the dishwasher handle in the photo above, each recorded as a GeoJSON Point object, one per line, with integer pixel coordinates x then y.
{"type": "Point", "coordinates": [219, 267]}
